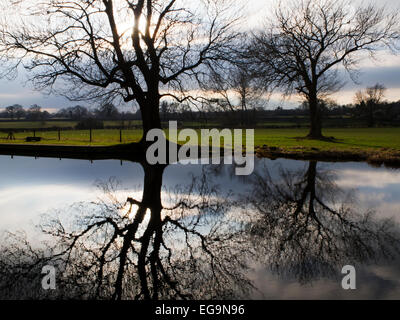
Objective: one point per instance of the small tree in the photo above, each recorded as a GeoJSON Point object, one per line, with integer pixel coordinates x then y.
{"type": "Point", "coordinates": [238, 92]}
{"type": "Point", "coordinates": [19, 111]}
{"type": "Point", "coordinates": [107, 111]}
{"type": "Point", "coordinates": [369, 100]}
{"type": "Point", "coordinates": [15, 111]}
{"type": "Point", "coordinates": [34, 112]}
{"type": "Point", "coordinates": [303, 48]}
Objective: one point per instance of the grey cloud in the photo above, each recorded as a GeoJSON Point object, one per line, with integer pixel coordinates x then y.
{"type": "Point", "coordinates": [389, 76]}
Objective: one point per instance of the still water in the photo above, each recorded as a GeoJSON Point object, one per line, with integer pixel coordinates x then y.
{"type": "Point", "coordinates": [124, 230]}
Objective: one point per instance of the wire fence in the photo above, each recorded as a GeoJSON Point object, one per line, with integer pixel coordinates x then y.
{"type": "Point", "coordinates": [65, 135]}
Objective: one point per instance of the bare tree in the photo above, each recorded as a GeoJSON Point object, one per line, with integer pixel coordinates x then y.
{"type": "Point", "coordinates": [15, 111]}
{"type": "Point", "coordinates": [139, 51]}
{"type": "Point", "coordinates": [238, 90]}
{"type": "Point", "coordinates": [303, 49]}
{"type": "Point", "coordinates": [196, 241]}
{"type": "Point", "coordinates": [369, 99]}
{"type": "Point", "coordinates": [135, 249]}
{"type": "Point", "coordinates": [310, 226]}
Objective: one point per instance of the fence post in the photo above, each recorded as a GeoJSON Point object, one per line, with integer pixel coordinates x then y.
{"type": "Point", "coordinates": [34, 133]}
{"type": "Point", "coordinates": [120, 135]}
{"type": "Point", "coordinates": [90, 133]}
{"type": "Point", "coordinates": [59, 134]}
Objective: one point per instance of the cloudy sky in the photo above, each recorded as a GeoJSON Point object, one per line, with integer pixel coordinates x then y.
{"type": "Point", "coordinates": [385, 70]}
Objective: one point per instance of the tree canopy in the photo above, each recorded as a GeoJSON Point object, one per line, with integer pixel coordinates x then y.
{"type": "Point", "coordinates": [138, 51]}
{"type": "Point", "coordinates": [307, 42]}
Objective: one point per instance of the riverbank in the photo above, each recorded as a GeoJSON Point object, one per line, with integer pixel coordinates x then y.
{"type": "Point", "coordinates": [131, 151]}
{"type": "Point", "coordinates": [377, 146]}
{"type": "Point", "coordinates": [376, 157]}
{"type": "Point", "coordinates": [374, 145]}
{"type": "Point", "coordinates": [134, 152]}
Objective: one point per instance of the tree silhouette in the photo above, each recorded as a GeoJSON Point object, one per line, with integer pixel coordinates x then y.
{"type": "Point", "coordinates": [139, 249]}
{"type": "Point", "coordinates": [195, 242]}
{"type": "Point", "coordinates": [308, 227]}
{"type": "Point", "coordinates": [369, 99]}
{"type": "Point", "coordinates": [138, 51]}
{"type": "Point", "coordinates": [307, 42]}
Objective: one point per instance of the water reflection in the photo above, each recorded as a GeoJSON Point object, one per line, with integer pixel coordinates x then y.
{"type": "Point", "coordinates": [137, 249]}
{"type": "Point", "coordinates": [309, 228]}
{"type": "Point", "coordinates": [197, 242]}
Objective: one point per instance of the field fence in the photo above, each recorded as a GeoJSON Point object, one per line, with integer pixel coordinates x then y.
{"type": "Point", "coordinates": [53, 134]}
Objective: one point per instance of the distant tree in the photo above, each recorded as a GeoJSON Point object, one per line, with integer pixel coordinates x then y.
{"type": "Point", "coordinates": [44, 115]}
{"type": "Point", "coordinates": [238, 91]}
{"type": "Point", "coordinates": [79, 112]}
{"type": "Point", "coordinates": [76, 113]}
{"type": "Point", "coordinates": [34, 112]}
{"type": "Point", "coordinates": [62, 113]}
{"type": "Point", "coordinates": [310, 39]}
{"type": "Point", "coordinates": [107, 111]}
{"type": "Point", "coordinates": [9, 111]}
{"type": "Point", "coordinates": [303, 106]}
{"type": "Point", "coordinates": [19, 112]}
{"type": "Point", "coordinates": [167, 109]}
{"type": "Point", "coordinates": [15, 111]}
{"type": "Point", "coordinates": [369, 99]}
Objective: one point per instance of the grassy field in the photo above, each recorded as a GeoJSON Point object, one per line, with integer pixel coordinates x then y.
{"type": "Point", "coordinates": [345, 139]}
{"type": "Point", "coordinates": [103, 137]}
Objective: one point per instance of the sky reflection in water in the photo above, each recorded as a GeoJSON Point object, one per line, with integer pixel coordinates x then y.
{"type": "Point", "coordinates": [30, 187]}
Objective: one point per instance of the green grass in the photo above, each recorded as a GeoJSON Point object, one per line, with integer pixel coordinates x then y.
{"type": "Point", "coordinates": [102, 137]}
{"type": "Point", "coordinates": [346, 139]}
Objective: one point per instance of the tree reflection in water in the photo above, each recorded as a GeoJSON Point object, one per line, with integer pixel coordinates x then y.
{"type": "Point", "coordinates": [195, 242]}
{"type": "Point", "coordinates": [308, 227]}
{"type": "Point", "coordinates": [138, 249]}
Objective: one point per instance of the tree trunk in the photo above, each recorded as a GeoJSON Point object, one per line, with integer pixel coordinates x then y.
{"type": "Point", "coordinates": [150, 116]}
{"type": "Point", "coordinates": [315, 119]}
{"type": "Point", "coordinates": [311, 181]}
{"type": "Point", "coordinates": [311, 175]}
{"type": "Point", "coordinates": [151, 199]}
{"type": "Point", "coordinates": [153, 176]}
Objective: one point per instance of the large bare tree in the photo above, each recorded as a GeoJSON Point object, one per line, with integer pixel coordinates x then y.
{"type": "Point", "coordinates": [137, 50]}
{"type": "Point", "coordinates": [309, 40]}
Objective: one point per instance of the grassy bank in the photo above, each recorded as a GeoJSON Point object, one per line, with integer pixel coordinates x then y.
{"type": "Point", "coordinates": [374, 145]}
{"type": "Point", "coordinates": [100, 137]}
{"type": "Point", "coordinates": [345, 139]}
{"type": "Point", "coordinates": [364, 143]}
